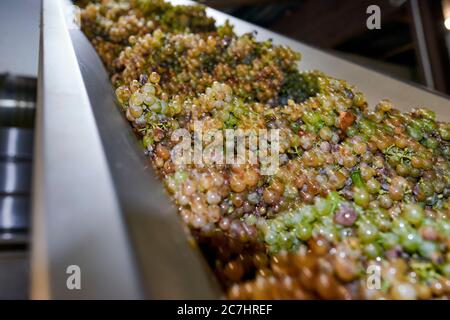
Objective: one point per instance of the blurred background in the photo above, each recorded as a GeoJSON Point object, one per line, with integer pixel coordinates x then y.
{"type": "Point", "coordinates": [19, 51]}
{"type": "Point", "coordinates": [412, 45]}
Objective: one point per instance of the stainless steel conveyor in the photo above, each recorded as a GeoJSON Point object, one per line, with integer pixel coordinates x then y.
{"type": "Point", "coordinates": [97, 203]}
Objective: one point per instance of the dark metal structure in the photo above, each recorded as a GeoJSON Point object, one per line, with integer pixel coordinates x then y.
{"type": "Point", "coordinates": [17, 109]}
{"type": "Point", "coordinates": [412, 34]}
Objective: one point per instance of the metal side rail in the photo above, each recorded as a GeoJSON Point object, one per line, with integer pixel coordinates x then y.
{"type": "Point", "coordinates": [97, 204]}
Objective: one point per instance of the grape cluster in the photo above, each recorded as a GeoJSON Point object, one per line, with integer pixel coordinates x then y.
{"type": "Point", "coordinates": [356, 186]}
{"type": "Point", "coordinates": [320, 271]}
{"type": "Point", "coordinates": [112, 26]}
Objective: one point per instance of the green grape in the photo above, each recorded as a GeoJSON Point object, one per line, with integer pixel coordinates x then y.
{"type": "Point", "coordinates": [431, 143]}
{"type": "Point", "coordinates": [372, 250]}
{"type": "Point", "coordinates": [427, 249]}
{"type": "Point", "coordinates": [413, 213]}
{"type": "Point", "coordinates": [373, 186]}
{"type": "Point", "coordinates": [444, 132]}
{"type": "Point", "coordinates": [389, 240]}
{"type": "Point", "coordinates": [445, 269]}
{"type": "Point", "coordinates": [271, 238]}
{"type": "Point", "coordinates": [410, 241]}
{"type": "Point", "coordinates": [304, 231]}
{"type": "Point", "coordinates": [309, 213]}
{"type": "Point", "coordinates": [367, 232]}
{"type": "Point", "coordinates": [361, 197]}
{"type": "Point", "coordinates": [400, 226]}
{"type": "Point", "coordinates": [444, 226]}
{"type": "Point", "coordinates": [414, 132]}
{"type": "Point", "coordinates": [323, 206]}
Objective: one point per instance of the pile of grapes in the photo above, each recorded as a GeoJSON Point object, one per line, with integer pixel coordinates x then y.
{"type": "Point", "coordinates": [360, 192]}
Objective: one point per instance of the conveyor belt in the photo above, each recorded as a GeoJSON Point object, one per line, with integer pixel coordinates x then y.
{"type": "Point", "coordinates": [97, 203]}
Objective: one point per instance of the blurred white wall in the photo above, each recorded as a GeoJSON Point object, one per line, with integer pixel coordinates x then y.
{"type": "Point", "coordinates": [19, 36]}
